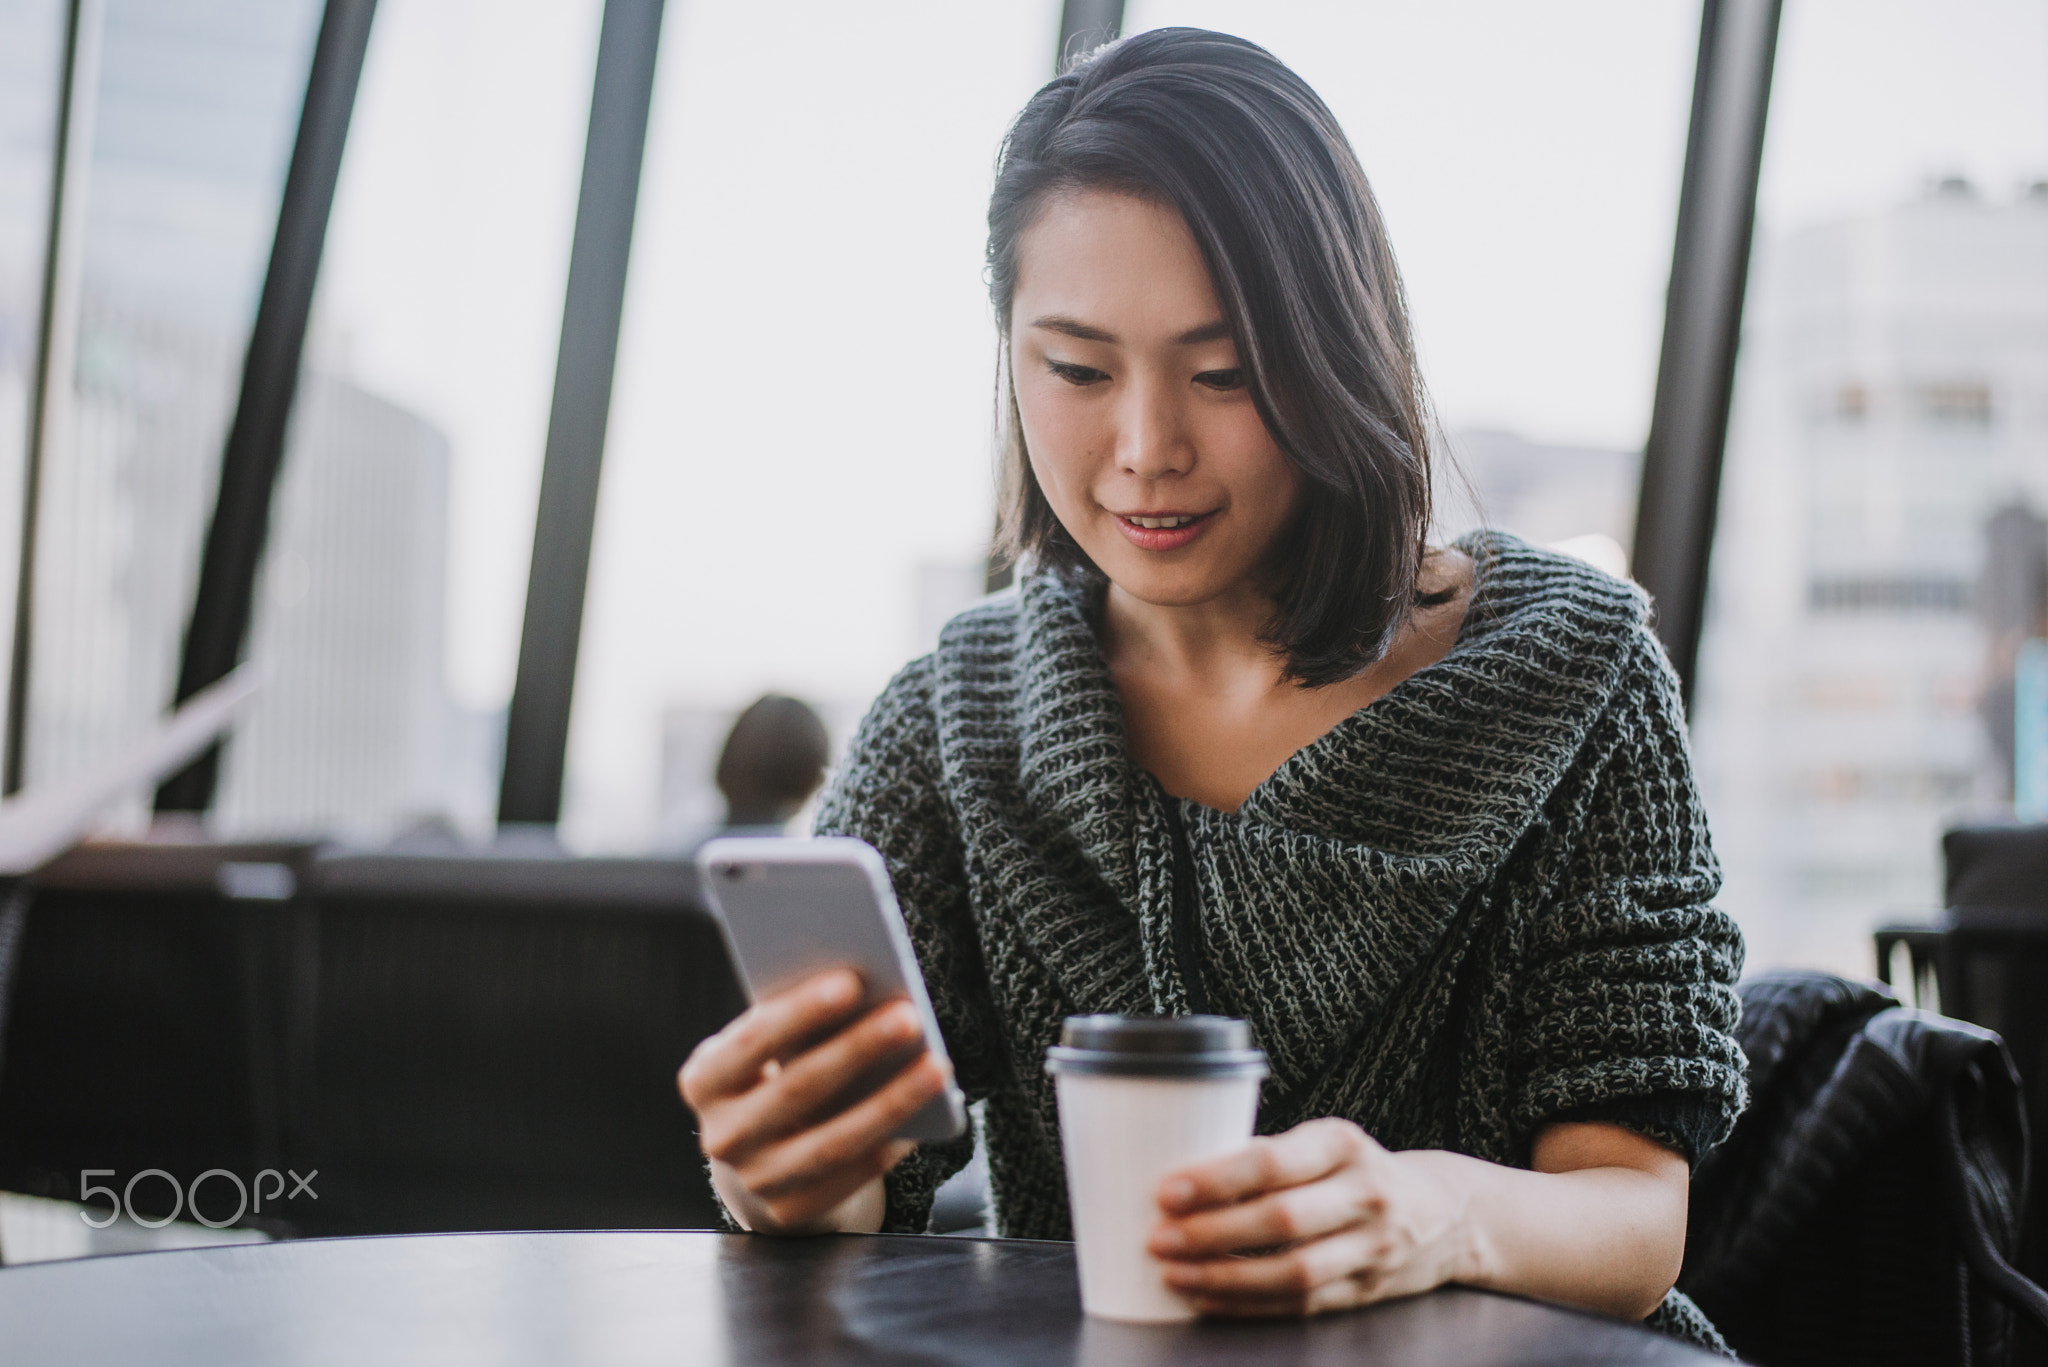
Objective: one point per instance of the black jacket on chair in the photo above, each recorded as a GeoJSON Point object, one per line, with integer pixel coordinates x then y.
{"type": "Point", "coordinates": [1866, 1208]}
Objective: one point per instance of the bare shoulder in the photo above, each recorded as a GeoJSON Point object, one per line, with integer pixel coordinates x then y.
{"type": "Point", "coordinates": [1443, 591]}
{"type": "Point", "coordinates": [1445, 568]}
{"type": "Point", "coordinates": [1444, 588]}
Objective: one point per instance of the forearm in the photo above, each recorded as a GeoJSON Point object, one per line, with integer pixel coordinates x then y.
{"type": "Point", "coordinates": [1607, 1239]}
{"type": "Point", "coordinates": [860, 1213]}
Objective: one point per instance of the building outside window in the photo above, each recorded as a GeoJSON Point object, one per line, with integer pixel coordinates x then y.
{"type": "Point", "coordinates": [31, 56]}
{"type": "Point", "coordinates": [193, 112]}
{"type": "Point", "coordinates": [1878, 558]}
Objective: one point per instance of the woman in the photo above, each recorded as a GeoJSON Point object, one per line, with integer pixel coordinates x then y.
{"type": "Point", "coordinates": [1242, 743]}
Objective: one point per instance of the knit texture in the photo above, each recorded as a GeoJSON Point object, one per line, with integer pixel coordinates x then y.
{"type": "Point", "coordinates": [1478, 905]}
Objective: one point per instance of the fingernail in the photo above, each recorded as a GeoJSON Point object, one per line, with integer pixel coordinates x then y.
{"type": "Point", "coordinates": [840, 987]}
{"type": "Point", "coordinates": [1176, 1191]}
{"type": "Point", "coordinates": [1168, 1242]}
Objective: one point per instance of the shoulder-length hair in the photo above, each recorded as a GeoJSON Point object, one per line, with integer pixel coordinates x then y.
{"type": "Point", "coordinates": [1256, 165]}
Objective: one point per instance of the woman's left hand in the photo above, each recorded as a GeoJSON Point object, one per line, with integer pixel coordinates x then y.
{"type": "Point", "coordinates": [1319, 1218]}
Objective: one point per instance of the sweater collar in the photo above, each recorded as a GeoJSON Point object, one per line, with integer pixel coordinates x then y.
{"type": "Point", "coordinates": [1494, 724]}
{"type": "Point", "coordinates": [1429, 788]}
{"type": "Point", "coordinates": [1076, 775]}
{"type": "Point", "coordinates": [1458, 759]}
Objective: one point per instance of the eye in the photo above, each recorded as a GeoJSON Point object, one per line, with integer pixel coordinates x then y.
{"type": "Point", "coordinates": [1076, 374]}
{"type": "Point", "coordinates": [1221, 379]}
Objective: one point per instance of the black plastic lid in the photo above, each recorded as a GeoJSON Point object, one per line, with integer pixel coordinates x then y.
{"type": "Point", "coordinates": [1156, 1046]}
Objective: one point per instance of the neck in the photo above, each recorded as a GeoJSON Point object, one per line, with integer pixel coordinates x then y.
{"type": "Point", "coordinates": [1213, 644]}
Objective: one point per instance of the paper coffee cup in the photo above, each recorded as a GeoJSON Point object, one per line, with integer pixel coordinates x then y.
{"type": "Point", "coordinates": [1140, 1096]}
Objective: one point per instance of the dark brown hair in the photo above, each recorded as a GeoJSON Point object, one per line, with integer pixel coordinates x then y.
{"type": "Point", "coordinates": [1256, 165]}
{"type": "Point", "coordinates": [774, 759]}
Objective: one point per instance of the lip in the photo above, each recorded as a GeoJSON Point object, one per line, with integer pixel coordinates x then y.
{"type": "Point", "coordinates": [1162, 538]}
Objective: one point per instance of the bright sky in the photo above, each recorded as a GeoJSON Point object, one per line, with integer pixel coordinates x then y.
{"type": "Point", "coordinates": [1873, 96]}
{"type": "Point", "coordinates": [803, 410]}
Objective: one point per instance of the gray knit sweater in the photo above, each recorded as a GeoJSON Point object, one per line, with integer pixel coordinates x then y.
{"type": "Point", "coordinates": [1475, 907]}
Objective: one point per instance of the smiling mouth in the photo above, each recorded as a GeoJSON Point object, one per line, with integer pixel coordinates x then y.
{"type": "Point", "coordinates": [1164, 531]}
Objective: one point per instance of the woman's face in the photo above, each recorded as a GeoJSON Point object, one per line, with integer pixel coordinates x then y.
{"type": "Point", "coordinates": [1141, 430]}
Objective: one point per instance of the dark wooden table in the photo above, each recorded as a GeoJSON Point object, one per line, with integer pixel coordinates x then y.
{"type": "Point", "coordinates": [706, 1300]}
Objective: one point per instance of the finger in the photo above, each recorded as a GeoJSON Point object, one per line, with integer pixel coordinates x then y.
{"type": "Point", "coordinates": [1292, 1272]}
{"type": "Point", "coordinates": [891, 1033]}
{"type": "Point", "coordinates": [802, 1090]}
{"type": "Point", "coordinates": [1304, 1154]}
{"type": "Point", "coordinates": [1332, 1296]}
{"type": "Point", "coordinates": [731, 1060]}
{"type": "Point", "coordinates": [850, 1138]}
{"type": "Point", "coordinates": [1281, 1217]}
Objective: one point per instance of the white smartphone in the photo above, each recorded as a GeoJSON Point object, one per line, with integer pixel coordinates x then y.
{"type": "Point", "coordinates": [791, 909]}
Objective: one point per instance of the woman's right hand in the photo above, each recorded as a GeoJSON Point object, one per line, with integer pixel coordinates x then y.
{"type": "Point", "coordinates": [765, 1090]}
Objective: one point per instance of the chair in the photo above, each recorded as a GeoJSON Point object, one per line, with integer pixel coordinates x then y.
{"type": "Point", "coordinates": [137, 1033]}
{"type": "Point", "coordinates": [1866, 1208]}
{"type": "Point", "coordinates": [454, 1041]}
{"type": "Point", "coordinates": [1996, 895]}
{"type": "Point", "coordinates": [14, 899]}
{"type": "Point", "coordinates": [1987, 958]}
{"type": "Point", "coordinates": [497, 1042]}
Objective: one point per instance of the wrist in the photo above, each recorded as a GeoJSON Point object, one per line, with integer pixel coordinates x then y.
{"type": "Point", "coordinates": [860, 1213]}
{"type": "Point", "coordinates": [1479, 1258]}
{"type": "Point", "coordinates": [1471, 1256]}
{"type": "Point", "coordinates": [739, 1203]}
{"type": "Point", "coordinates": [864, 1211]}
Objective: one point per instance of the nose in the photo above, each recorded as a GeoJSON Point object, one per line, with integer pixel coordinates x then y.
{"type": "Point", "coordinates": [1152, 436]}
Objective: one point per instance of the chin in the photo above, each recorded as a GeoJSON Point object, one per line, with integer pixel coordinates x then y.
{"type": "Point", "coordinates": [1162, 586]}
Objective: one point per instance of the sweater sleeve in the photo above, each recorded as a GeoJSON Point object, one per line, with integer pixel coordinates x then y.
{"type": "Point", "coordinates": [1627, 1002]}
{"type": "Point", "coordinates": [887, 792]}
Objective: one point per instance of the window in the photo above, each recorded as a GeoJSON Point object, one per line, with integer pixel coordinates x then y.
{"type": "Point", "coordinates": [800, 450]}
{"type": "Point", "coordinates": [797, 490]}
{"type": "Point", "coordinates": [31, 67]}
{"type": "Point", "coordinates": [1887, 593]}
{"type": "Point", "coordinates": [388, 611]}
{"type": "Point", "coordinates": [1527, 160]}
{"type": "Point", "coordinates": [196, 105]}
{"type": "Point", "coordinates": [1879, 555]}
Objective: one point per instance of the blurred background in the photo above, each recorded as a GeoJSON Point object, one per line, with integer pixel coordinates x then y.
{"type": "Point", "coordinates": [797, 481]}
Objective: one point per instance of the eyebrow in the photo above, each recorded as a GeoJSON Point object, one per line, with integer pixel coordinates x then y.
{"type": "Point", "coordinates": [1087, 332]}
